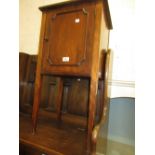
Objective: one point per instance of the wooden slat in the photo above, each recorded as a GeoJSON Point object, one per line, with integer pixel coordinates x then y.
{"type": "Point", "coordinates": [59, 97]}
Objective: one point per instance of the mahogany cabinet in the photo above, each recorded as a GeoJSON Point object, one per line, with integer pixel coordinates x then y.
{"type": "Point", "coordinates": [68, 40]}
{"type": "Point", "coordinates": [74, 44]}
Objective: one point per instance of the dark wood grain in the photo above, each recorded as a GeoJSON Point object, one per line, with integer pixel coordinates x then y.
{"type": "Point", "coordinates": [78, 92]}
{"type": "Point", "coordinates": [23, 59]}
{"type": "Point", "coordinates": [27, 67]}
{"type": "Point", "coordinates": [59, 97]}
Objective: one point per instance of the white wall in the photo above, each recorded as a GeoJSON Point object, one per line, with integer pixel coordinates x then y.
{"type": "Point", "coordinates": [122, 44]}
{"type": "Point", "coordinates": [121, 40]}
{"type": "Point", "coordinates": [29, 24]}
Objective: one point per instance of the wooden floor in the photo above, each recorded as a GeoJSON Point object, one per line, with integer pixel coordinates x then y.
{"type": "Point", "coordinates": [53, 138]}
{"type": "Point", "coordinates": [114, 148]}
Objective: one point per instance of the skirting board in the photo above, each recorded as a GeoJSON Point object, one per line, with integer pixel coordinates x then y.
{"type": "Point", "coordinates": [120, 88]}
{"type": "Point", "coordinates": [116, 148]}
{"type": "Point", "coordinates": [99, 153]}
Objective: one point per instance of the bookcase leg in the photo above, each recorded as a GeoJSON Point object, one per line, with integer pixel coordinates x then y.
{"type": "Point", "coordinates": [59, 97]}
{"type": "Point", "coordinates": [92, 110]}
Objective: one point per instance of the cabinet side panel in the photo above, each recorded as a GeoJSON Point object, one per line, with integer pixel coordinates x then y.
{"type": "Point", "coordinates": [104, 43]}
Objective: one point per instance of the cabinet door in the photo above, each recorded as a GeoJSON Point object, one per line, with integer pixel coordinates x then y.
{"type": "Point", "coordinates": [67, 38]}
{"type": "Point", "coordinates": [67, 35]}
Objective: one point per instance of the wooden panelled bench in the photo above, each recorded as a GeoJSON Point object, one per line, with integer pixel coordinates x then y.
{"type": "Point", "coordinates": [53, 137]}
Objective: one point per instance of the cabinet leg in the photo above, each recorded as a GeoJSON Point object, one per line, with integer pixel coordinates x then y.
{"type": "Point", "coordinates": [92, 110]}
{"type": "Point", "coordinates": [37, 93]}
{"type": "Point", "coordinates": [38, 79]}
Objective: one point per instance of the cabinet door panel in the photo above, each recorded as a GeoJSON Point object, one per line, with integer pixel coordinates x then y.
{"type": "Point", "coordinates": [67, 37]}
{"type": "Point", "coordinates": [68, 40]}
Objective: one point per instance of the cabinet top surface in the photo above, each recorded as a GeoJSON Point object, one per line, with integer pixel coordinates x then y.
{"type": "Point", "coordinates": [55, 5]}
{"type": "Point", "coordinates": [71, 2]}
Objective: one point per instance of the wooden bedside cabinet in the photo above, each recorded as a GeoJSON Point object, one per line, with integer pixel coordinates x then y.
{"type": "Point", "coordinates": [68, 39]}
{"type": "Point", "coordinates": [74, 43]}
